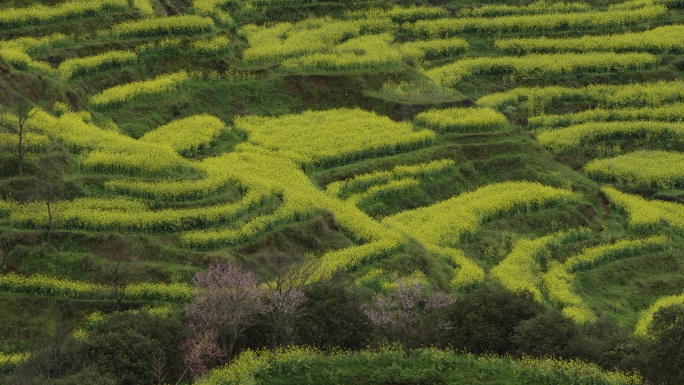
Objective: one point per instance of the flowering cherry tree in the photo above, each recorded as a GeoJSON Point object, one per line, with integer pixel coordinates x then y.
{"type": "Point", "coordinates": [227, 302]}
{"type": "Point", "coordinates": [401, 311]}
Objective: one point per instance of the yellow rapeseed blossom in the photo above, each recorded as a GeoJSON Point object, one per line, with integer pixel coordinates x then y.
{"type": "Point", "coordinates": [544, 22]}
{"type": "Point", "coordinates": [667, 113]}
{"type": "Point", "coordinates": [540, 66]}
{"type": "Point", "coordinates": [662, 39]}
{"type": "Point", "coordinates": [573, 137]}
{"type": "Point", "coordinates": [125, 93]}
{"type": "Point", "coordinates": [645, 168]}
{"type": "Point", "coordinates": [37, 14]}
{"type": "Point", "coordinates": [537, 100]}
{"type": "Point", "coordinates": [647, 316]}
{"type": "Point", "coordinates": [462, 119]}
{"type": "Point", "coordinates": [91, 64]}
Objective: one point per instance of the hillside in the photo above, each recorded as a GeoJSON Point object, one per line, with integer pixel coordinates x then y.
{"type": "Point", "coordinates": [517, 150]}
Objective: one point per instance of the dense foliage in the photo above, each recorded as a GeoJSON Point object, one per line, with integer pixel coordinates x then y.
{"type": "Point", "coordinates": [341, 191]}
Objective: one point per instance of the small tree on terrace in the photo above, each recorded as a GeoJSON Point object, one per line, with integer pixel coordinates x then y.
{"type": "Point", "coordinates": [123, 265]}
{"type": "Point", "coordinates": [402, 312]}
{"type": "Point", "coordinates": [285, 297]}
{"type": "Point", "coordinates": [17, 137]}
{"type": "Point", "coordinates": [227, 302]}
{"type": "Point", "coordinates": [664, 350]}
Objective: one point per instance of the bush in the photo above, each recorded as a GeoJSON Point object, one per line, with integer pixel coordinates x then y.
{"type": "Point", "coordinates": [484, 320]}
{"type": "Point", "coordinates": [125, 354]}
{"type": "Point", "coordinates": [332, 317]}
{"type": "Point", "coordinates": [664, 354]}
{"type": "Point", "coordinates": [547, 334]}
{"type": "Point", "coordinates": [127, 348]}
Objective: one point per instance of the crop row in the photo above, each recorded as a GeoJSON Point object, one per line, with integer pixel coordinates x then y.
{"type": "Point", "coordinates": [213, 46]}
{"type": "Point", "coordinates": [641, 169]}
{"type": "Point", "coordinates": [208, 6]}
{"type": "Point", "coordinates": [360, 183]}
{"type": "Point", "coordinates": [540, 66]}
{"type": "Point", "coordinates": [169, 45]}
{"type": "Point", "coordinates": [537, 100]}
{"type": "Point", "coordinates": [573, 137]}
{"type": "Point", "coordinates": [292, 209]}
{"type": "Point", "coordinates": [38, 14]}
{"type": "Point", "coordinates": [410, 14]}
{"type": "Point", "coordinates": [216, 172]}
{"type": "Point", "coordinates": [17, 55]}
{"type": "Point", "coordinates": [547, 22]}
{"type": "Point", "coordinates": [636, 4]}
{"type": "Point", "coordinates": [206, 47]}
{"type": "Point", "coordinates": [300, 3]}
{"type": "Point", "coordinates": [461, 119]}
{"type": "Point", "coordinates": [22, 61]}
{"type": "Point", "coordinates": [92, 64]}
{"type": "Point", "coordinates": [521, 270]}
{"type": "Point", "coordinates": [250, 367]}
{"type": "Point", "coordinates": [255, 168]}
{"type": "Point", "coordinates": [447, 223]}
{"type": "Point", "coordinates": [145, 158]}
{"type": "Point", "coordinates": [36, 45]}
{"type": "Point", "coordinates": [558, 283]}
{"type": "Point", "coordinates": [592, 257]}
{"type": "Point", "coordinates": [666, 113]}
{"type": "Point", "coordinates": [147, 89]}
{"type": "Point", "coordinates": [536, 8]}
{"type": "Point", "coordinates": [259, 168]}
{"type": "Point", "coordinates": [665, 39]}
{"type": "Point", "coordinates": [466, 272]}
{"type": "Point", "coordinates": [390, 188]}
{"type": "Point", "coordinates": [70, 289]}
{"type": "Point", "coordinates": [644, 214]}
{"type": "Point", "coordinates": [81, 214]}
{"type": "Point", "coordinates": [17, 52]}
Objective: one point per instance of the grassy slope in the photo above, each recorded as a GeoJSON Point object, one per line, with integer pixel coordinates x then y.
{"type": "Point", "coordinates": [511, 154]}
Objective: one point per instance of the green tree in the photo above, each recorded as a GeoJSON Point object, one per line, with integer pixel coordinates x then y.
{"type": "Point", "coordinates": [136, 348]}
{"type": "Point", "coordinates": [664, 354]}
{"type": "Point", "coordinates": [484, 320]}
{"type": "Point", "coordinates": [332, 317]}
{"type": "Point", "coordinates": [547, 334]}
{"type": "Point", "coordinates": [18, 137]}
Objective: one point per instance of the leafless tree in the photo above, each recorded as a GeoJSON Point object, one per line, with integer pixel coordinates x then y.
{"type": "Point", "coordinates": [119, 253]}
{"type": "Point", "coordinates": [285, 296]}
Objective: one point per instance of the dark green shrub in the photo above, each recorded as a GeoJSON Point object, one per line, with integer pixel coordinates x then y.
{"type": "Point", "coordinates": [484, 320]}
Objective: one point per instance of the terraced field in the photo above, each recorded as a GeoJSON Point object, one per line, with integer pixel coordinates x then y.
{"type": "Point", "coordinates": [537, 146]}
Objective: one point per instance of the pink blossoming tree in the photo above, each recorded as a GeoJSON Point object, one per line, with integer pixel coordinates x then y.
{"type": "Point", "coordinates": [401, 312]}
{"type": "Point", "coordinates": [227, 302]}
